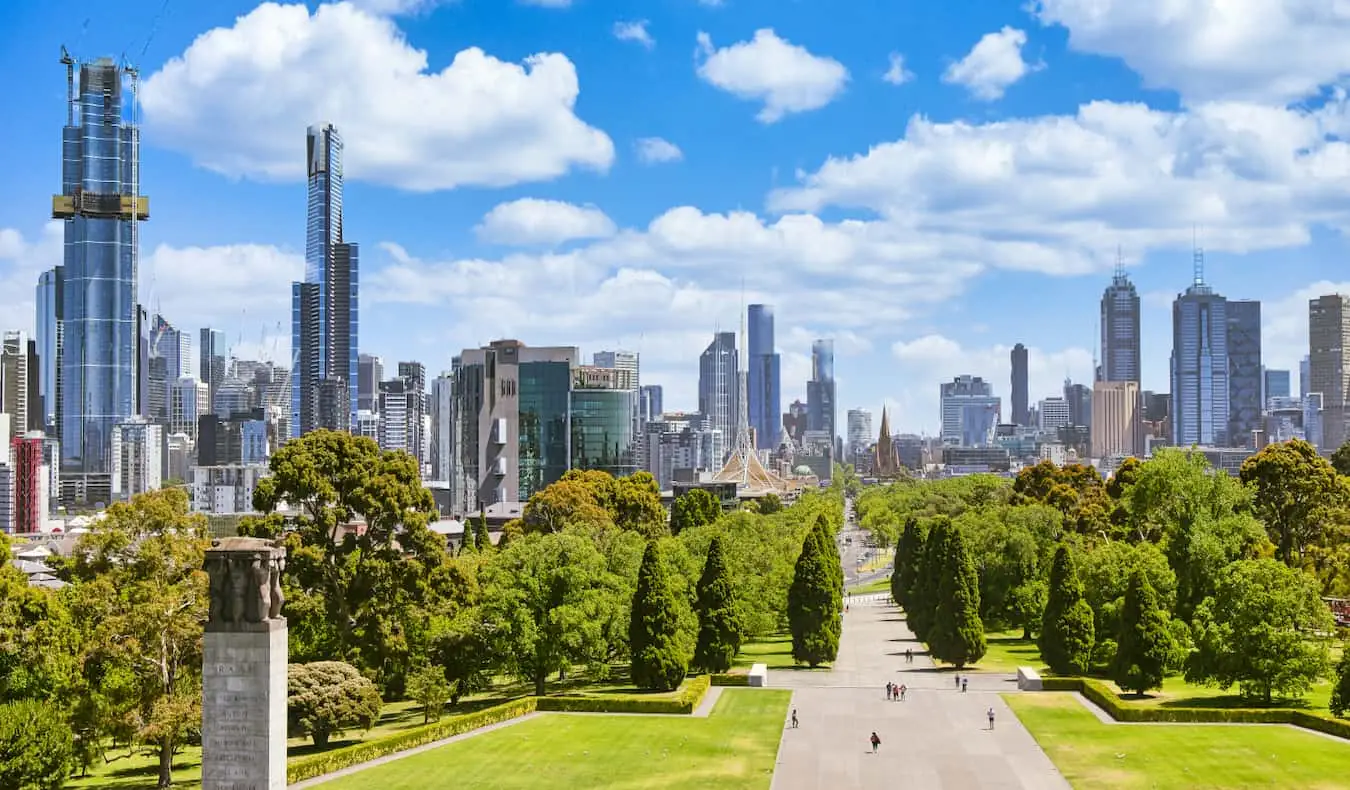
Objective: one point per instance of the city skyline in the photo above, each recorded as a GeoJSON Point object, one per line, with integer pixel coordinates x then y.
{"type": "Point", "coordinates": [628, 247]}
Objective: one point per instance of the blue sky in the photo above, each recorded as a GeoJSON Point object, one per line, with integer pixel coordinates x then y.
{"type": "Point", "coordinates": [926, 183]}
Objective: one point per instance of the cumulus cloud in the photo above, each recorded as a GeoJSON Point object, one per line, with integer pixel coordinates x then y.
{"type": "Point", "coordinates": [994, 63]}
{"type": "Point", "coordinates": [397, 7]}
{"type": "Point", "coordinates": [634, 31]}
{"type": "Point", "coordinates": [1273, 51]}
{"type": "Point", "coordinates": [479, 121]}
{"type": "Point", "coordinates": [531, 221]}
{"type": "Point", "coordinates": [785, 77]}
{"type": "Point", "coordinates": [1284, 324]}
{"type": "Point", "coordinates": [655, 150]}
{"type": "Point", "coordinates": [897, 74]}
{"type": "Point", "coordinates": [22, 260]}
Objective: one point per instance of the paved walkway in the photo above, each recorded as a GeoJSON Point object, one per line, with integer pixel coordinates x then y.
{"type": "Point", "coordinates": [937, 739]}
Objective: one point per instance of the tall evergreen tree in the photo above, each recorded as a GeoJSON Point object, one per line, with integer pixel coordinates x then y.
{"type": "Point", "coordinates": [482, 538]}
{"type": "Point", "coordinates": [720, 626]}
{"type": "Point", "coordinates": [813, 603]}
{"type": "Point", "coordinates": [924, 596]}
{"type": "Point", "coordinates": [1340, 693]}
{"type": "Point", "coordinates": [957, 634]}
{"type": "Point", "coordinates": [653, 630]}
{"type": "Point", "coordinates": [1145, 642]}
{"type": "Point", "coordinates": [908, 551]}
{"type": "Point", "coordinates": [1067, 635]}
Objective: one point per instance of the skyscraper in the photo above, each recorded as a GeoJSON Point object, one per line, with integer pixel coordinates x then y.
{"type": "Point", "coordinates": [1199, 364]}
{"type": "Point", "coordinates": [1275, 384]}
{"type": "Point", "coordinates": [16, 377]}
{"type": "Point", "coordinates": [969, 411]}
{"type": "Point", "coordinates": [324, 308]}
{"type": "Point", "coordinates": [650, 406]}
{"type": "Point", "coordinates": [1120, 330]}
{"type": "Point", "coordinates": [1117, 422]}
{"type": "Point", "coordinates": [763, 382]}
{"type": "Point", "coordinates": [1329, 366]}
{"type": "Point", "coordinates": [717, 392]}
{"type": "Point", "coordinates": [49, 311]}
{"type": "Point", "coordinates": [859, 428]}
{"type": "Point", "coordinates": [369, 374]}
{"type": "Point", "coordinates": [1244, 371]}
{"type": "Point", "coordinates": [101, 205]}
{"type": "Point", "coordinates": [1021, 414]}
{"type": "Point", "coordinates": [820, 402]}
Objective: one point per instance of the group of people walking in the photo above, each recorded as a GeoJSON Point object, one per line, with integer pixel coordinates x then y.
{"type": "Point", "coordinates": [895, 692]}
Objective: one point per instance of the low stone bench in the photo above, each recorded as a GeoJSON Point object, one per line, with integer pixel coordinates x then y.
{"type": "Point", "coordinates": [1028, 679]}
{"type": "Point", "coordinates": [759, 675]}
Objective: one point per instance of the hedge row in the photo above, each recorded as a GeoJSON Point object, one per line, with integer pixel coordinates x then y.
{"type": "Point", "coordinates": [327, 762]}
{"type": "Point", "coordinates": [1105, 697]}
{"type": "Point", "coordinates": [683, 701]}
{"type": "Point", "coordinates": [731, 679]}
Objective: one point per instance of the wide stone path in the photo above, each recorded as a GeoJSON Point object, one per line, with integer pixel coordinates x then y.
{"type": "Point", "coordinates": [937, 738]}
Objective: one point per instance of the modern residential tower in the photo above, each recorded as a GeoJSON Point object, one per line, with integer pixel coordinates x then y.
{"type": "Point", "coordinates": [763, 381]}
{"type": "Point", "coordinates": [1021, 414]}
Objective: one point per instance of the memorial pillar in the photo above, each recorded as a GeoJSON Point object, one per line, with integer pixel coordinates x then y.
{"type": "Point", "coordinates": [244, 660]}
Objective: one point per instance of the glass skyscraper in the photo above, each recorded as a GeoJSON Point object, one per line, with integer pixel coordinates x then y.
{"type": "Point", "coordinates": [1199, 365]}
{"type": "Point", "coordinates": [100, 204]}
{"type": "Point", "coordinates": [324, 308]}
{"type": "Point", "coordinates": [820, 406]}
{"type": "Point", "coordinates": [1120, 330]}
{"type": "Point", "coordinates": [1244, 371]}
{"type": "Point", "coordinates": [49, 308]}
{"type": "Point", "coordinates": [718, 392]}
{"type": "Point", "coordinates": [765, 407]}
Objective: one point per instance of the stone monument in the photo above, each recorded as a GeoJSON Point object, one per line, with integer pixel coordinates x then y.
{"type": "Point", "coordinates": [244, 658]}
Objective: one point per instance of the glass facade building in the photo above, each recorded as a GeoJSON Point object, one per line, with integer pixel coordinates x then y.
{"type": "Point", "coordinates": [718, 393]}
{"type": "Point", "coordinates": [820, 404]}
{"type": "Point", "coordinates": [1244, 371]}
{"type": "Point", "coordinates": [1120, 331]}
{"type": "Point", "coordinates": [602, 430]}
{"type": "Point", "coordinates": [542, 442]}
{"type": "Point", "coordinates": [49, 308]}
{"type": "Point", "coordinates": [1199, 367]}
{"type": "Point", "coordinates": [763, 381]}
{"type": "Point", "coordinates": [99, 203]}
{"type": "Point", "coordinates": [1021, 396]}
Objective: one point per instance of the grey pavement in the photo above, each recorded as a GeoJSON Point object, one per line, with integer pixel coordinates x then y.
{"type": "Point", "coordinates": [937, 738]}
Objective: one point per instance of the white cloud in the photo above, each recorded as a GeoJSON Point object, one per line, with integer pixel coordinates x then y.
{"type": "Point", "coordinates": [531, 221]}
{"type": "Point", "coordinates": [785, 77]}
{"type": "Point", "coordinates": [634, 31]}
{"type": "Point", "coordinates": [398, 7]}
{"type": "Point", "coordinates": [1262, 50]}
{"type": "Point", "coordinates": [479, 121]}
{"type": "Point", "coordinates": [21, 261]}
{"type": "Point", "coordinates": [547, 3]}
{"type": "Point", "coordinates": [932, 359]}
{"type": "Point", "coordinates": [897, 74]}
{"type": "Point", "coordinates": [994, 63]}
{"type": "Point", "coordinates": [711, 3]}
{"type": "Point", "coordinates": [1284, 324]}
{"type": "Point", "coordinates": [655, 150]}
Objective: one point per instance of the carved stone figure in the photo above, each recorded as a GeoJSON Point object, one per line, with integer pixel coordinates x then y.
{"type": "Point", "coordinates": [238, 576]}
{"type": "Point", "coordinates": [259, 588]}
{"type": "Point", "coordinates": [218, 573]}
{"type": "Point", "coordinates": [278, 565]}
{"type": "Point", "coordinates": [245, 583]}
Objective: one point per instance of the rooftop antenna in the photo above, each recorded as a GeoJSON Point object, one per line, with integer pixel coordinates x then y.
{"type": "Point", "coordinates": [1197, 259]}
{"type": "Point", "coordinates": [1120, 263]}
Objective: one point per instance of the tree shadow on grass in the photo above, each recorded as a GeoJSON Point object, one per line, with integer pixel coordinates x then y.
{"type": "Point", "coordinates": [1218, 703]}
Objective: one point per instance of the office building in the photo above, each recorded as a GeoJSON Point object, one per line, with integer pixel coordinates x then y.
{"type": "Point", "coordinates": [49, 310]}
{"type": "Point", "coordinates": [18, 374]}
{"type": "Point", "coordinates": [137, 455]}
{"type": "Point", "coordinates": [718, 390]}
{"type": "Point", "coordinates": [1275, 384]}
{"type": "Point", "coordinates": [1199, 365]}
{"type": "Point", "coordinates": [629, 378]}
{"type": "Point", "coordinates": [100, 205]}
{"type": "Point", "coordinates": [650, 405]}
{"type": "Point", "coordinates": [369, 374]}
{"type": "Point", "coordinates": [241, 438]}
{"type": "Point", "coordinates": [1020, 386]}
{"type": "Point", "coordinates": [1053, 414]}
{"type": "Point", "coordinates": [1079, 398]}
{"type": "Point", "coordinates": [820, 400]}
{"type": "Point", "coordinates": [1117, 422]}
{"type": "Point", "coordinates": [859, 430]}
{"type": "Point", "coordinates": [1329, 367]}
{"type": "Point", "coordinates": [1303, 375]}
{"type": "Point", "coordinates": [601, 419]}
{"type": "Point", "coordinates": [402, 404]}
{"type": "Point", "coordinates": [224, 489]}
{"type": "Point", "coordinates": [1120, 330]}
{"type": "Point", "coordinates": [763, 383]}
{"type": "Point", "coordinates": [969, 411]}
{"type": "Point", "coordinates": [1313, 424]}
{"type": "Point", "coordinates": [325, 307]}
{"type": "Point", "coordinates": [1244, 372]}
{"type": "Point", "coordinates": [189, 400]}
{"type": "Point", "coordinates": [442, 427]}
{"type": "Point", "coordinates": [169, 360]}
{"type": "Point", "coordinates": [211, 360]}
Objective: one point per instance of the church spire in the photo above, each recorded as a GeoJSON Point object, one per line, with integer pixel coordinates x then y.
{"type": "Point", "coordinates": [886, 465]}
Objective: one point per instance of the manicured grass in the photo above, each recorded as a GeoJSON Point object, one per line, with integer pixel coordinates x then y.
{"type": "Point", "coordinates": [735, 747]}
{"type": "Point", "coordinates": [1091, 754]}
{"type": "Point", "coordinates": [875, 586]}
{"type": "Point", "coordinates": [1008, 651]}
{"type": "Point", "coordinates": [775, 652]}
{"type": "Point", "coordinates": [1177, 693]}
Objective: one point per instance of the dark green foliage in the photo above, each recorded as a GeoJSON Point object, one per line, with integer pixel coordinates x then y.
{"type": "Point", "coordinates": [36, 751]}
{"type": "Point", "coordinates": [957, 635]}
{"type": "Point", "coordinates": [769, 504]}
{"type": "Point", "coordinates": [1144, 645]}
{"type": "Point", "coordinates": [1066, 638]}
{"type": "Point", "coordinates": [908, 550]}
{"type": "Point", "coordinates": [653, 631]}
{"type": "Point", "coordinates": [481, 537]}
{"type": "Point", "coordinates": [924, 597]}
{"type": "Point", "coordinates": [693, 509]}
{"type": "Point", "coordinates": [325, 698]}
{"type": "Point", "coordinates": [1340, 693]}
{"type": "Point", "coordinates": [720, 625]}
{"type": "Point", "coordinates": [813, 602]}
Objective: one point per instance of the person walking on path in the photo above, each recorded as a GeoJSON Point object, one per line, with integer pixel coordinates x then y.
{"type": "Point", "coordinates": [889, 690]}
{"type": "Point", "coordinates": [991, 718]}
{"type": "Point", "coordinates": [909, 655]}
{"type": "Point", "coordinates": [963, 684]}
{"type": "Point", "coordinates": [875, 742]}
{"type": "Point", "coordinates": [794, 718]}
{"type": "Point", "coordinates": [958, 682]}
{"type": "Point", "coordinates": [903, 689]}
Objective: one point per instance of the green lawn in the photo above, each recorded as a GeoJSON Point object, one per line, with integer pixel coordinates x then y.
{"type": "Point", "coordinates": [1177, 693]}
{"type": "Point", "coordinates": [775, 652]}
{"type": "Point", "coordinates": [1160, 756]}
{"type": "Point", "coordinates": [875, 586]}
{"type": "Point", "coordinates": [735, 747]}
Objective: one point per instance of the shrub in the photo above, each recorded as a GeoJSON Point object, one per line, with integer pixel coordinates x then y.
{"type": "Point", "coordinates": [36, 747]}
{"type": "Point", "coordinates": [732, 679]}
{"type": "Point", "coordinates": [683, 701]}
{"type": "Point", "coordinates": [327, 697]}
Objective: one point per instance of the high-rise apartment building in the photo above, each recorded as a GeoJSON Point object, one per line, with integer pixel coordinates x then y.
{"type": "Point", "coordinates": [1117, 422]}
{"type": "Point", "coordinates": [1120, 330]}
{"type": "Point", "coordinates": [18, 372]}
{"type": "Point", "coordinates": [763, 382]}
{"type": "Point", "coordinates": [1021, 414]}
{"type": "Point", "coordinates": [859, 430]}
{"type": "Point", "coordinates": [369, 374]}
{"type": "Point", "coordinates": [137, 450]}
{"type": "Point", "coordinates": [442, 427]}
{"type": "Point", "coordinates": [49, 311]}
{"type": "Point", "coordinates": [30, 483]}
{"type": "Point", "coordinates": [402, 408]}
{"type": "Point", "coordinates": [189, 401]}
{"type": "Point", "coordinates": [969, 411]}
{"type": "Point", "coordinates": [718, 391]}
{"type": "Point", "coordinates": [820, 394]}
{"type": "Point", "coordinates": [1329, 366]}
{"type": "Point", "coordinates": [1244, 372]}
{"type": "Point", "coordinates": [101, 205]}
{"type": "Point", "coordinates": [324, 308]}
{"type": "Point", "coordinates": [1199, 365]}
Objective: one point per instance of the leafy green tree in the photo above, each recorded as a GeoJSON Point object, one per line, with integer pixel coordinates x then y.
{"type": "Point", "coordinates": [1066, 638]}
{"type": "Point", "coordinates": [35, 747]}
{"type": "Point", "coordinates": [908, 553]}
{"type": "Point", "coordinates": [428, 687]}
{"type": "Point", "coordinates": [1026, 605]}
{"type": "Point", "coordinates": [326, 698]}
{"type": "Point", "coordinates": [1296, 494]}
{"type": "Point", "coordinates": [957, 636]}
{"type": "Point", "coordinates": [769, 504]}
{"type": "Point", "coordinates": [1340, 693]}
{"type": "Point", "coordinates": [924, 597]}
{"type": "Point", "coordinates": [1254, 632]}
{"type": "Point", "coordinates": [694, 508]}
{"type": "Point", "coordinates": [1105, 572]}
{"type": "Point", "coordinates": [1340, 460]}
{"type": "Point", "coordinates": [658, 662]}
{"type": "Point", "coordinates": [635, 503]}
{"type": "Point", "coordinates": [481, 537]}
{"type": "Point", "coordinates": [546, 602]}
{"type": "Point", "coordinates": [720, 625]}
{"type": "Point", "coordinates": [1144, 645]}
{"type": "Point", "coordinates": [813, 603]}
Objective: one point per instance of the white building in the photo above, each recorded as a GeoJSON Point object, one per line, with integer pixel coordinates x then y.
{"type": "Point", "coordinates": [1054, 414]}
{"type": "Point", "coordinates": [137, 458]}
{"type": "Point", "coordinates": [225, 490]}
{"type": "Point", "coordinates": [859, 431]}
{"type": "Point", "coordinates": [189, 399]}
{"type": "Point", "coordinates": [179, 455]}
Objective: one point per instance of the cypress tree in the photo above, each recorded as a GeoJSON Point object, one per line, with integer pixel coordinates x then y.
{"type": "Point", "coordinates": [924, 596]}
{"type": "Point", "coordinates": [957, 634]}
{"type": "Point", "coordinates": [653, 630]}
{"type": "Point", "coordinates": [813, 604]}
{"type": "Point", "coordinates": [908, 550]}
{"type": "Point", "coordinates": [1067, 636]}
{"type": "Point", "coordinates": [1145, 641]}
{"type": "Point", "coordinates": [720, 627]}
{"type": "Point", "coordinates": [831, 555]}
{"type": "Point", "coordinates": [1340, 693]}
{"type": "Point", "coordinates": [482, 538]}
